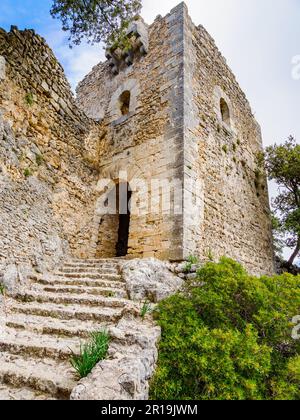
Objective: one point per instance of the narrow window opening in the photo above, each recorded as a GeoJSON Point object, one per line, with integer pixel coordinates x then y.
{"type": "Point", "coordinates": [125, 102]}
{"type": "Point", "coordinates": [225, 113]}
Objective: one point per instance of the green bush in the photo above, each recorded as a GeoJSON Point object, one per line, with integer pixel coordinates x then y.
{"type": "Point", "coordinates": [91, 353]}
{"type": "Point", "coordinates": [192, 260]}
{"type": "Point", "coordinates": [229, 338]}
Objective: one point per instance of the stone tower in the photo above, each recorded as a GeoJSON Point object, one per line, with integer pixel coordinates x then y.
{"type": "Point", "coordinates": [172, 111]}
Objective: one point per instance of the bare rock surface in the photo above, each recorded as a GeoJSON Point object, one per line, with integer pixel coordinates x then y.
{"type": "Point", "coordinates": [149, 279]}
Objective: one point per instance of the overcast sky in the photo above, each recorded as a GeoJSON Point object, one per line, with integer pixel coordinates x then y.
{"type": "Point", "coordinates": [259, 38]}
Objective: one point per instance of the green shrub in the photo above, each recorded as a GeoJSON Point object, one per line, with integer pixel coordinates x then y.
{"type": "Point", "coordinates": [229, 338]}
{"type": "Point", "coordinates": [192, 260]}
{"type": "Point", "coordinates": [91, 353]}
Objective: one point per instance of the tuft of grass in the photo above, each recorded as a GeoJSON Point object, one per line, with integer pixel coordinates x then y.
{"type": "Point", "coordinates": [146, 309]}
{"type": "Point", "coordinates": [29, 99]}
{"type": "Point", "coordinates": [225, 148]}
{"type": "Point", "coordinates": [210, 255]}
{"type": "Point", "coordinates": [39, 159]}
{"type": "Point", "coordinates": [91, 353]}
{"type": "Point", "coordinates": [27, 172]}
{"type": "Point", "coordinates": [2, 290]}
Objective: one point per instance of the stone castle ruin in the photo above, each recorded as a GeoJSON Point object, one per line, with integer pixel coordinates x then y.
{"type": "Point", "coordinates": [158, 156]}
{"type": "Point", "coordinates": [167, 112]}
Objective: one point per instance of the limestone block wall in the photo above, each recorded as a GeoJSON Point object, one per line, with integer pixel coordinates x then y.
{"type": "Point", "coordinates": [47, 182]}
{"type": "Point", "coordinates": [224, 152]}
{"type": "Point", "coordinates": [146, 143]}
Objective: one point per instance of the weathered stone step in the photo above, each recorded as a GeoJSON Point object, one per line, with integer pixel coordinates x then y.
{"type": "Point", "coordinates": [97, 276]}
{"type": "Point", "coordinates": [30, 344]}
{"type": "Point", "coordinates": [94, 270]}
{"type": "Point", "coordinates": [109, 261]}
{"type": "Point", "coordinates": [67, 312]}
{"type": "Point", "coordinates": [100, 266]}
{"type": "Point", "coordinates": [53, 326]}
{"type": "Point", "coordinates": [9, 393]}
{"type": "Point", "coordinates": [80, 282]}
{"type": "Point", "coordinates": [69, 299]}
{"type": "Point", "coordinates": [94, 291]}
{"type": "Point", "coordinates": [46, 376]}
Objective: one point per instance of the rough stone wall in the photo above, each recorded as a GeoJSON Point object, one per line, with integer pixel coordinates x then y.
{"type": "Point", "coordinates": [225, 156]}
{"type": "Point", "coordinates": [148, 142]}
{"type": "Point", "coordinates": [46, 180]}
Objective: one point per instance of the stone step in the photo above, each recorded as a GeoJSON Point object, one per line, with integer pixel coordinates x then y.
{"type": "Point", "coordinates": [70, 299]}
{"type": "Point", "coordinates": [31, 344]}
{"type": "Point", "coordinates": [62, 312]}
{"type": "Point", "coordinates": [100, 266]}
{"type": "Point", "coordinates": [53, 326]}
{"type": "Point", "coordinates": [109, 261]}
{"type": "Point", "coordinates": [80, 282]}
{"type": "Point", "coordinates": [94, 270]}
{"type": "Point", "coordinates": [46, 376]}
{"type": "Point", "coordinates": [80, 290]}
{"type": "Point", "coordinates": [9, 393]}
{"type": "Point", "coordinates": [96, 276]}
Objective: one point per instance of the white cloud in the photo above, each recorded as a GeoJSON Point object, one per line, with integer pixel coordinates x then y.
{"type": "Point", "coordinates": [77, 61]}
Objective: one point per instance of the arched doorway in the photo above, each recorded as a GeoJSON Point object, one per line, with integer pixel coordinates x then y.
{"type": "Point", "coordinates": [114, 228]}
{"type": "Point", "coordinates": [123, 205]}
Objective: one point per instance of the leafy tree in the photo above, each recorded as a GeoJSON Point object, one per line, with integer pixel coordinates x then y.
{"type": "Point", "coordinates": [95, 20]}
{"type": "Point", "coordinates": [283, 166]}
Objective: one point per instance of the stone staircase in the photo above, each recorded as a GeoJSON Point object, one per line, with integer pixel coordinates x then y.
{"type": "Point", "coordinates": [49, 320]}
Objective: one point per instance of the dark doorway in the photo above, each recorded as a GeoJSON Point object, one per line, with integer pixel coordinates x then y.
{"type": "Point", "coordinates": [123, 203]}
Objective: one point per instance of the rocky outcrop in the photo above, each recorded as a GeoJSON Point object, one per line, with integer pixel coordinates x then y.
{"type": "Point", "coordinates": [150, 279]}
